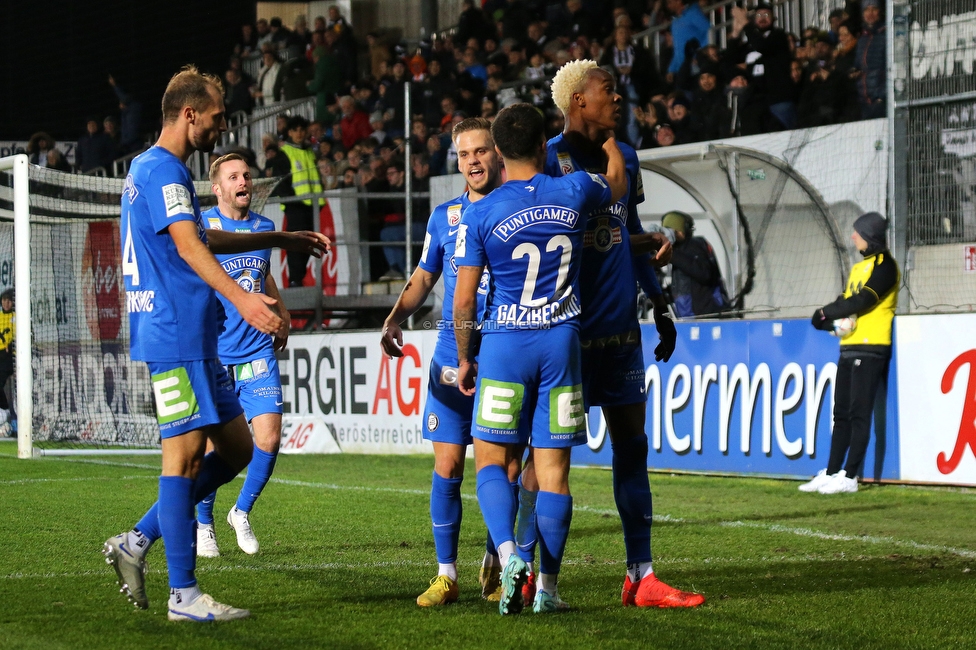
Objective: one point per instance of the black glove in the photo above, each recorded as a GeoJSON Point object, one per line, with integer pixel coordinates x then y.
{"type": "Point", "coordinates": [820, 322]}
{"type": "Point", "coordinates": [668, 334]}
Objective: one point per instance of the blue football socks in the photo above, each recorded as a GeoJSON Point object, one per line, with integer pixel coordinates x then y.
{"type": "Point", "coordinates": [497, 503]}
{"type": "Point", "coordinates": [632, 494]}
{"type": "Point", "coordinates": [553, 514]}
{"type": "Point", "coordinates": [525, 530]}
{"type": "Point", "coordinates": [445, 516]}
{"type": "Point", "coordinates": [178, 526]}
{"type": "Point", "coordinates": [258, 474]}
{"type": "Point", "coordinates": [205, 510]}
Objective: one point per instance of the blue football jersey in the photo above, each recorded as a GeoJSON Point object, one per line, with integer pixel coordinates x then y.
{"type": "Point", "coordinates": [438, 257]}
{"type": "Point", "coordinates": [529, 235]}
{"type": "Point", "coordinates": [172, 311]}
{"type": "Point", "coordinates": [608, 285]}
{"type": "Point", "coordinates": [237, 341]}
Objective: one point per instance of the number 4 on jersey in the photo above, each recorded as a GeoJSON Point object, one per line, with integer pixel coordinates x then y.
{"type": "Point", "coordinates": [129, 266]}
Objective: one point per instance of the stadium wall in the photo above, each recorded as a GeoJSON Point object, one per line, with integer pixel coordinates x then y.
{"type": "Point", "coordinates": [737, 397]}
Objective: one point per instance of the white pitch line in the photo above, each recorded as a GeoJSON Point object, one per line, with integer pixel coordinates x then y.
{"type": "Point", "coordinates": [327, 566]}
{"type": "Point", "coordinates": [867, 539]}
{"type": "Point", "coordinates": [777, 528]}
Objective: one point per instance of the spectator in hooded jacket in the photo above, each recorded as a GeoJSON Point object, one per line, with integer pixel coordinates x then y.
{"type": "Point", "coordinates": [871, 60]}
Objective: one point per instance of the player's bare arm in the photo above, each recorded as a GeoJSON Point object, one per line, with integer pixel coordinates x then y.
{"type": "Point", "coordinates": [465, 313]}
{"type": "Point", "coordinates": [302, 241]}
{"type": "Point", "coordinates": [281, 336]}
{"type": "Point", "coordinates": [616, 170]}
{"type": "Point", "coordinates": [414, 294]}
{"type": "Point", "coordinates": [656, 243]}
{"type": "Point", "coordinates": [254, 307]}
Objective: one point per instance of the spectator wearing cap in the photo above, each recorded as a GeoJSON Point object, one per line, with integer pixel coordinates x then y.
{"type": "Point", "coordinates": [687, 23]}
{"type": "Point", "coordinates": [697, 287]}
{"type": "Point", "coordinates": [709, 113]}
{"type": "Point", "coordinates": [295, 164]}
{"type": "Point", "coordinates": [871, 297]}
{"type": "Point", "coordinates": [870, 60]}
{"type": "Point", "coordinates": [354, 123]}
{"type": "Point", "coordinates": [763, 52]}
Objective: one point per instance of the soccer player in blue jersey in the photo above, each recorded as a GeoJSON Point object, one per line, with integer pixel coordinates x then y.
{"type": "Point", "coordinates": [612, 357]}
{"type": "Point", "coordinates": [170, 278]}
{"type": "Point", "coordinates": [447, 412]}
{"type": "Point", "coordinates": [248, 353]}
{"type": "Point", "coordinates": [529, 234]}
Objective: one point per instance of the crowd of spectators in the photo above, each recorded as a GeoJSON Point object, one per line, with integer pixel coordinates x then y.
{"type": "Point", "coordinates": [504, 52]}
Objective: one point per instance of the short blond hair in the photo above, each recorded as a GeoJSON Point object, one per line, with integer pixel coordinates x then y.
{"type": "Point", "coordinates": [189, 87]}
{"type": "Point", "coordinates": [472, 124]}
{"type": "Point", "coordinates": [215, 165]}
{"type": "Point", "coordinates": [571, 78]}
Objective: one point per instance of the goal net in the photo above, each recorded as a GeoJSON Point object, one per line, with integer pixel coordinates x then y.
{"type": "Point", "coordinates": [87, 395]}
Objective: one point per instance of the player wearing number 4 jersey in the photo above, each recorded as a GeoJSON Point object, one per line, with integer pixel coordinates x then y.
{"type": "Point", "coordinates": [613, 361]}
{"type": "Point", "coordinates": [447, 413]}
{"type": "Point", "coordinates": [249, 354]}
{"type": "Point", "coordinates": [170, 281]}
{"type": "Point", "coordinates": [529, 234]}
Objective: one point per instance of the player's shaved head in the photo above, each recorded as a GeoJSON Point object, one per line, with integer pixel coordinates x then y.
{"type": "Point", "coordinates": [518, 131]}
{"type": "Point", "coordinates": [190, 87]}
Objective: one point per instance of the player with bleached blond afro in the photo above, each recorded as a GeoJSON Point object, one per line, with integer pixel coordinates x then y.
{"type": "Point", "coordinates": [571, 78]}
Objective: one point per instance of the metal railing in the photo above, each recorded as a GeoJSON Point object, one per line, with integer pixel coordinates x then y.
{"type": "Point", "coordinates": [248, 133]}
{"type": "Point", "coordinates": [788, 17]}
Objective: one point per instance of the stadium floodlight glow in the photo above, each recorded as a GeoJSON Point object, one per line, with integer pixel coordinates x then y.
{"type": "Point", "coordinates": [24, 376]}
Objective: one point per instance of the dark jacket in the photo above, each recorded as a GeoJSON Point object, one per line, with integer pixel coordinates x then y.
{"type": "Point", "coordinates": [709, 115]}
{"type": "Point", "coordinates": [769, 75]}
{"type": "Point", "coordinates": [696, 285]}
{"type": "Point", "coordinates": [871, 59]}
{"type": "Point", "coordinates": [644, 74]}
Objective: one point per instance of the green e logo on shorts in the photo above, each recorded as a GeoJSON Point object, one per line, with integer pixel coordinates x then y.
{"type": "Point", "coordinates": [566, 409]}
{"type": "Point", "coordinates": [174, 394]}
{"type": "Point", "coordinates": [499, 404]}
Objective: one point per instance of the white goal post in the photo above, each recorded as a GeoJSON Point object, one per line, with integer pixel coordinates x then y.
{"type": "Point", "coordinates": [22, 261]}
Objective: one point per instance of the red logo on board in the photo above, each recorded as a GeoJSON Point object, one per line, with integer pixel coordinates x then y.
{"type": "Point", "coordinates": [967, 423]}
{"type": "Point", "coordinates": [100, 265]}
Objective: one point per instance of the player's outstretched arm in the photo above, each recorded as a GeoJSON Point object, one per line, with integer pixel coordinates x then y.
{"type": "Point", "coordinates": [254, 307]}
{"type": "Point", "coordinates": [616, 169]}
{"type": "Point", "coordinates": [302, 241]}
{"type": "Point", "coordinates": [281, 336]}
{"type": "Point", "coordinates": [656, 243]}
{"type": "Point", "coordinates": [414, 294]}
{"type": "Point", "coordinates": [465, 323]}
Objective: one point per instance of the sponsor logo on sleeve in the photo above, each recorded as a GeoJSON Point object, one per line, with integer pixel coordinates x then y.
{"type": "Point", "coordinates": [461, 245]}
{"type": "Point", "coordinates": [176, 198]}
{"type": "Point", "coordinates": [214, 224]}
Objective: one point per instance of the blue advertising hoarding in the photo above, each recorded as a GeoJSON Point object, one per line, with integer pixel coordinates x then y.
{"type": "Point", "coordinates": [747, 397]}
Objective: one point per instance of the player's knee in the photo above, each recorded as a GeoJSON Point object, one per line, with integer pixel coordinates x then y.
{"type": "Point", "coordinates": [449, 467]}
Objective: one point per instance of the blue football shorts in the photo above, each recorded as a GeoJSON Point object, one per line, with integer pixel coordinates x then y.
{"type": "Point", "coordinates": [529, 388]}
{"type": "Point", "coordinates": [191, 395]}
{"type": "Point", "coordinates": [448, 412]}
{"type": "Point", "coordinates": [613, 375]}
{"type": "Point", "coordinates": [258, 385]}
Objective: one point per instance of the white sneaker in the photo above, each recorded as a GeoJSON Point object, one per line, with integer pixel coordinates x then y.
{"type": "Point", "coordinates": [207, 541]}
{"type": "Point", "coordinates": [205, 609]}
{"type": "Point", "coordinates": [818, 481]}
{"type": "Point", "coordinates": [838, 484]}
{"type": "Point", "coordinates": [245, 536]}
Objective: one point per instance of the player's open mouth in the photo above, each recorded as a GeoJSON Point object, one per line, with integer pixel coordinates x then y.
{"type": "Point", "coordinates": [243, 194]}
{"type": "Point", "coordinates": [476, 173]}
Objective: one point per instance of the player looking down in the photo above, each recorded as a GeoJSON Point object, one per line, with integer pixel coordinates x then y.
{"type": "Point", "coordinates": [170, 278]}
{"type": "Point", "coordinates": [612, 354]}
{"type": "Point", "coordinates": [447, 412]}
{"type": "Point", "coordinates": [248, 353]}
{"type": "Point", "coordinates": [529, 234]}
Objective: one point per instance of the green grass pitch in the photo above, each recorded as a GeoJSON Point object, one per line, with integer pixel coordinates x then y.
{"type": "Point", "coordinates": [346, 548]}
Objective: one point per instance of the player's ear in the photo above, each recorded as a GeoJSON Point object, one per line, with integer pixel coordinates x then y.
{"type": "Point", "coordinates": [189, 114]}
{"type": "Point", "coordinates": [579, 99]}
{"type": "Point", "coordinates": [215, 189]}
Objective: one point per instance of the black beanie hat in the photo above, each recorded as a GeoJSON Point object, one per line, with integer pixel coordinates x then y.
{"type": "Point", "coordinates": [872, 227]}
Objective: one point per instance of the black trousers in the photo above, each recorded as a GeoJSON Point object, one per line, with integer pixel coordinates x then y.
{"type": "Point", "coordinates": [6, 372]}
{"type": "Point", "coordinates": [298, 216]}
{"type": "Point", "coordinates": [859, 374]}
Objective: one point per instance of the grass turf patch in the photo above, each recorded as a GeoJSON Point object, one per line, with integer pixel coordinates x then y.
{"type": "Point", "coordinates": [346, 548]}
